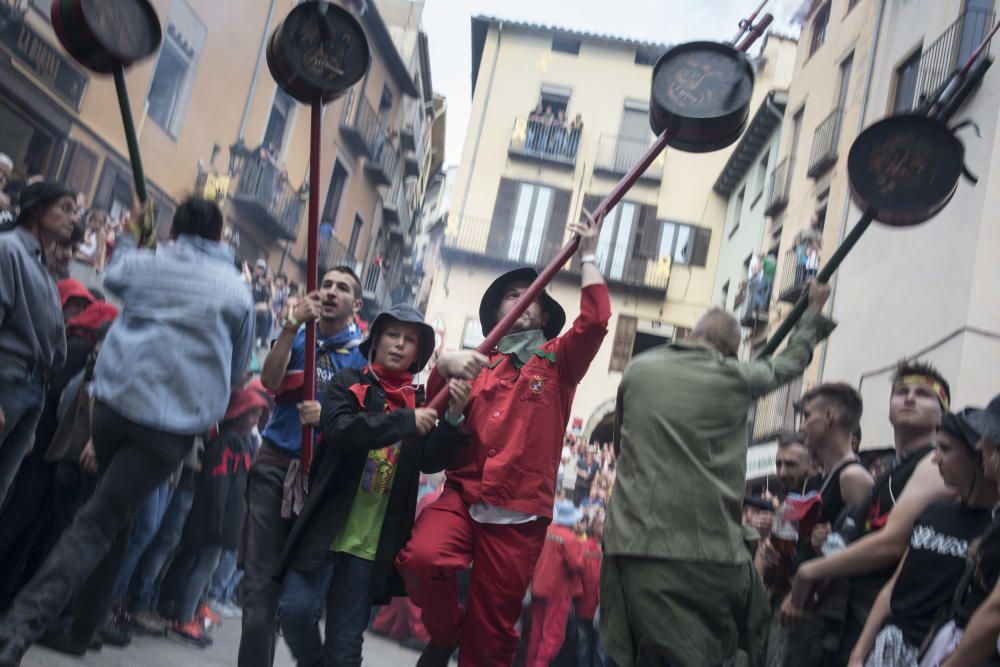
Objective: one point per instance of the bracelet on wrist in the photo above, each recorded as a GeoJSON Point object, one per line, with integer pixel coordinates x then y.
{"type": "Point", "coordinates": [590, 258]}
{"type": "Point", "coordinates": [453, 422]}
{"type": "Point", "coordinates": [291, 324]}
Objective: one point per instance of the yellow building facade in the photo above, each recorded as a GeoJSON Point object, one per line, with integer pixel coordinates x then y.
{"type": "Point", "coordinates": [210, 119]}
{"type": "Point", "coordinates": [557, 118]}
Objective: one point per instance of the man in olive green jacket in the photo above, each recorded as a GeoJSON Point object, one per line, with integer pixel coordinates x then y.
{"type": "Point", "coordinates": [677, 584]}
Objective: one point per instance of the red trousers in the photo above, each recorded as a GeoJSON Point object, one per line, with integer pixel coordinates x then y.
{"type": "Point", "coordinates": [548, 630]}
{"type": "Point", "coordinates": [445, 541]}
{"type": "Point", "coordinates": [400, 620]}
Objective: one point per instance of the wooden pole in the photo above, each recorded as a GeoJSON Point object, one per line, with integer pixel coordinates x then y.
{"type": "Point", "coordinates": [312, 268]}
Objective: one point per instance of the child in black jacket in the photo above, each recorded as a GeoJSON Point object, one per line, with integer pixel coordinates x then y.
{"type": "Point", "coordinates": [363, 490]}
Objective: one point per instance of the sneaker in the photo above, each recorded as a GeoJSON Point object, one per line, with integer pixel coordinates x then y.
{"type": "Point", "coordinates": [207, 616]}
{"type": "Point", "coordinates": [116, 631]}
{"type": "Point", "coordinates": [435, 656]}
{"type": "Point", "coordinates": [150, 623]}
{"type": "Point", "coordinates": [231, 610]}
{"type": "Point", "coordinates": [192, 633]}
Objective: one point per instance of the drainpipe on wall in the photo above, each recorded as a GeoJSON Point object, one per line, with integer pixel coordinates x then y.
{"type": "Point", "coordinates": [261, 53]}
{"type": "Point", "coordinates": [847, 191]}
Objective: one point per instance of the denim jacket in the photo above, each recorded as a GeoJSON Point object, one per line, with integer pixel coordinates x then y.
{"type": "Point", "coordinates": [184, 336]}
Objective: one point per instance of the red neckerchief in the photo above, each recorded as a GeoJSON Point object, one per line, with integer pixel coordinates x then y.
{"type": "Point", "coordinates": [400, 394]}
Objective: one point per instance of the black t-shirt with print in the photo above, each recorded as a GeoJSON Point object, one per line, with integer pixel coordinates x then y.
{"type": "Point", "coordinates": [934, 564]}
{"type": "Point", "coordinates": [981, 574]}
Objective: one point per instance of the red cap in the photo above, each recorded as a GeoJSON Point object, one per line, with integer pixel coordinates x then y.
{"type": "Point", "coordinates": [71, 288]}
{"type": "Point", "coordinates": [243, 401]}
{"type": "Point", "coordinates": [96, 314]}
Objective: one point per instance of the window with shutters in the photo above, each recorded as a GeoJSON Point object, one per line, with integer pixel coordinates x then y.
{"type": "Point", "coordinates": [684, 244]}
{"type": "Point", "coordinates": [615, 238]}
{"type": "Point", "coordinates": [621, 351]}
{"type": "Point", "coordinates": [819, 28]}
{"type": "Point", "coordinates": [79, 168]}
{"type": "Point", "coordinates": [906, 84]}
{"type": "Point", "coordinates": [529, 223]}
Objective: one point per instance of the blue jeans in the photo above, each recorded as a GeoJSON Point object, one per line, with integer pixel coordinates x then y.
{"type": "Point", "coordinates": [145, 525]}
{"type": "Point", "coordinates": [150, 570]}
{"type": "Point", "coordinates": [589, 648]}
{"type": "Point", "coordinates": [226, 578]}
{"type": "Point", "coordinates": [343, 584]}
{"type": "Point", "coordinates": [205, 562]}
{"type": "Point", "coordinates": [22, 396]}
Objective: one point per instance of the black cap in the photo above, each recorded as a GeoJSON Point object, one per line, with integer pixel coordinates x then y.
{"type": "Point", "coordinates": [958, 425]}
{"type": "Point", "coordinates": [986, 423]}
{"type": "Point", "coordinates": [40, 194]}
{"type": "Point", "coordinates": [403, 313]}
{"type": "Point", "coordinates": [491, 302]}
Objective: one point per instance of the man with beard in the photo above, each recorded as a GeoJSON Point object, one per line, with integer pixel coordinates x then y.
{"type": "Point", "coordinates": [276, 465]}
{"type": "Point", "coordinates": [793, 463]}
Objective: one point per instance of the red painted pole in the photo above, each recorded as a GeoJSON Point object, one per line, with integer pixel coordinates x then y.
{"type": "Point", "coordinates": [312, 268]}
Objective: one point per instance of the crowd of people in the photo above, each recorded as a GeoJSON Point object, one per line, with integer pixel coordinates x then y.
{"type": "Point", "coordinates": [153, 480]}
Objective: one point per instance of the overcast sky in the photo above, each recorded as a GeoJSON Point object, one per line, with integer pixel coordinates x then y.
{"type": "Point", "coordinates": [447, 24]}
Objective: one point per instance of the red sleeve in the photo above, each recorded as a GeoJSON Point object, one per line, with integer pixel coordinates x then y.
{"type": "Point", "coordinates": [578, 346]}
{"type": "Point", "coordinates": [573, 552]}
{"type": "Point", "coordinates": [435, 383]}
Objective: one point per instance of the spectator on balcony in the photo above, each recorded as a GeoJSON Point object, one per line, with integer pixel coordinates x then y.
{"type": "Point", "coordinates": [575, 130]}
{"type": "Point", "coordinates": [814, 233]}
{"type": "Point", "coordinates": [557, 137]}
{"type": "Point", "coordinates": [768, 267]}
{"type": "Point", "coordinates": [682, 415]}
{"type": "Point", "coordinates": [801, 258]}
{"type": "Point", "coordinates": [535, 120]}
{"type": "Point", "coordinates": [812, 260]}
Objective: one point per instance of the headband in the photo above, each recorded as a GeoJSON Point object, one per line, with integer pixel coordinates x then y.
{"type": "Point", "coordinates": [934, 385]}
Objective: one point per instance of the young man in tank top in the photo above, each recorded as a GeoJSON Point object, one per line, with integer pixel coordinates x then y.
{"type": "Point", "coordinates": [920, 397]}
{"type": "Point", "coordinates": [830, 414]}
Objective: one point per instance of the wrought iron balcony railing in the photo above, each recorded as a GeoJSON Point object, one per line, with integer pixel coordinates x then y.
{"type": "Point", "coordinates": [617, 154]}
{"type": "Point", "coordinates": [544, 141]}
{"type": "Point", "coordinates": [825, 140]}
{"type": "Point", "coordinates": [779, 187]}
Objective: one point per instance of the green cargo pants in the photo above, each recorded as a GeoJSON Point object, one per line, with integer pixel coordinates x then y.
{"type": "Point", "coordinates": [659, 613]}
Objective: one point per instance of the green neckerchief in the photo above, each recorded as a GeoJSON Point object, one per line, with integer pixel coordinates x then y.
{"type": "Point", "coordinates": [523, 345]}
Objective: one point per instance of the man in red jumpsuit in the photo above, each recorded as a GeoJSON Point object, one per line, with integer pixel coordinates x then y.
{"type": "Point", "coordinates": [558, 579]}
{"type": "Point", "coordinates": [590, 651]}
{"type": "Point", "coordinates": [498, 496]}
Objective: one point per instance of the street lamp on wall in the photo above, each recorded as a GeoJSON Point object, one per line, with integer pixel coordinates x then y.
{"type": "Point", "coordinates": [238, 154]}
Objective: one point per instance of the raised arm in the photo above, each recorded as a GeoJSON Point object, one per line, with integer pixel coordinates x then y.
{"type": "Point", "coordinates": [580, 344]}
{"type": "Point", "coordinates": [765, 374]}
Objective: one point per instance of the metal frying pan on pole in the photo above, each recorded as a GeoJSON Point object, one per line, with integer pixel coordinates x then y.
{"type": "Point", "coordinates": [315, 55]}
{"type": "Point", "coordinates": [107, 37]}
{"type": "Point", "coordinates": [902, 170]}
{"type": "Point", "coordinates": [700, 102]}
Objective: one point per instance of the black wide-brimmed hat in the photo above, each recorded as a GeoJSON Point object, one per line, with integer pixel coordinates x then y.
{"type": "Point", "coordinates": [403, 313]}
{"type": "Point", "coordinates": [494, 293]}
{"type": "Point", "coordinates": [987, 422]}
{"type": "Point", "coordinates": [39, 194]}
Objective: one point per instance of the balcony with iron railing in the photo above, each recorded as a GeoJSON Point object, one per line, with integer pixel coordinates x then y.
{"type": "Point", "coordinates": [475, 237]}
{"type": "Point", "coordinates": [779, 187]}
{"type": "Point", "coordinates": [798, 268]}
{"type": "Point", "coordinates": [752, 302]}
{"type": "Point", "coordinates": [950, 51]}
{"type": "Point", "coordinates": [375, 287]}
{"type": "Point", "coordinates": [331, 252]}
{"type": "Point", "coordinates": [824, 147]}
{"type": "Point", "coordinates": [617, 154]}
{"type": "Point", "coordinates": [382, 164]}
{"type": "Point", "coordinates": [264, 194]}
{"type": "Point", "coordinates": [550, 143]}
{"type": "Point", "coordinates": [360, 125]}
{"type": "Point", "coordinates": [774, 412]}
{"type": "Point", "coordinates": [395, 210]}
